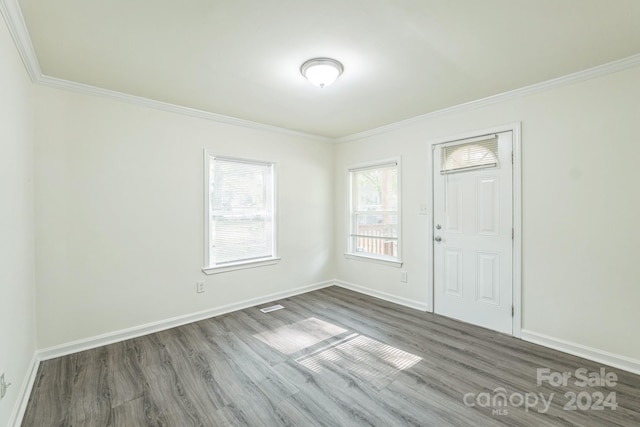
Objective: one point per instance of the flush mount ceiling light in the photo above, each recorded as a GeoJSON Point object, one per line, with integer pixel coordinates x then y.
{"type": "Point", "coordinates": [321, 72]}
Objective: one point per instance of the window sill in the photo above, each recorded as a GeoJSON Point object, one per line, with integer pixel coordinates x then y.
{"type": "Point", "coordinates": [382, 261]}
{"type": "Point", "coordinates": [240, 266]}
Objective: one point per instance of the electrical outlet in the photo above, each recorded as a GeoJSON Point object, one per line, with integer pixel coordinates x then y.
{"type": "Point", "coordinates": [403, 276]}
{"type": "Point", "coordinates": [200, 287]}
{"type": "Point", "coordinates": [3, 386]}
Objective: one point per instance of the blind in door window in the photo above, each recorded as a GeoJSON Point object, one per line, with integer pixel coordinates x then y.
{"type": "Point", "coordinates": [473, 155]}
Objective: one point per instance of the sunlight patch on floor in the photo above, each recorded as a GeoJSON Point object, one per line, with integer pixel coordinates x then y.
{"type": "Point", "coordinates": [362, 355]}
{"type": "Point", "coordinates": [292, 338]}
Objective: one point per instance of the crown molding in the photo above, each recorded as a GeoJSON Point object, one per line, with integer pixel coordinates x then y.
{"type": "Point", "coordinates": [590, 73]}
{"type": "Point", "coordinates": [57, 83]}
{"type": "Point", "coordinates": [12, 13]}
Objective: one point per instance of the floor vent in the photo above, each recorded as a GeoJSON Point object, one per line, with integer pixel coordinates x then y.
{"type": "Point", "coordinates": [272, 308]}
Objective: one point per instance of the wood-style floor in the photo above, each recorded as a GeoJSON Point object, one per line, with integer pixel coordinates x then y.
{"type": "Point", "coordinates": [330, 358]}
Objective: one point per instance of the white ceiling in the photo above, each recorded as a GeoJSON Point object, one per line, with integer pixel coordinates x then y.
{"type": "Point", "coordinates": [402, 58]}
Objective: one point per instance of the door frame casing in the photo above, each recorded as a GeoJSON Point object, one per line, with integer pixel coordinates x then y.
{"type": "Point", "coordinates": [515, 128]}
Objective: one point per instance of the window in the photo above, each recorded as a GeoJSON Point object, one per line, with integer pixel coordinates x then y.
{"type": "Point", "coordinates": [240, 213]}
{"type": "Point", "coordinates": [374, 220]}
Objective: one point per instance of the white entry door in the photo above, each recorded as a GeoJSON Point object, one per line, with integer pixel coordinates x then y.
{"type": "Point", "coordinates": [473, 231]}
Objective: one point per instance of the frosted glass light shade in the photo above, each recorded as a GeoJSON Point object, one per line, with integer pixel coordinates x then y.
{"type": "Point", "coordinates": [321, 72]}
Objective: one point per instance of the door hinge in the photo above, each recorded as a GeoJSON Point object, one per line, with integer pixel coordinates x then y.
{"type": "Point", "coordinates": [513, 311]}
{"type": "Point", "coordinates": [512, 157]}
{"type": "Point", "coordinates": [513, 233]}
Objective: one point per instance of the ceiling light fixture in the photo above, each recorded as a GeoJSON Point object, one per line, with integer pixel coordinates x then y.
{"type": "Point", "coordinates": [321, 72]}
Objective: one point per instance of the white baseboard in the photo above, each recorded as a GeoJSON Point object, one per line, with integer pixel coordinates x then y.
{"type": "Point", "coordinates": [594, 354]}
{"type": "Point", "coordinates": [383, 295]}
{"type": "Point", "coordinates": [25, 392]}
{"type": "Point", "coordinates": [149, 328]}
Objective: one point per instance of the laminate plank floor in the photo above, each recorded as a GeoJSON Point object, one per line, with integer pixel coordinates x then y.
{"type": "Point", "coordinates": [331, 357]}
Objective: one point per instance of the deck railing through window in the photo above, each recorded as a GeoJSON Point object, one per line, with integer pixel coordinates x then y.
{"type": "Point", "coordinates": [379, 243]}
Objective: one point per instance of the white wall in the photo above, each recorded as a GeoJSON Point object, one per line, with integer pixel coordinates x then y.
{"type": "Point", "coordinates": [119, 215]}
{"type": "Point", "coordinates": [581, 206]}
{"type": "Point", "coordinates": [17, 308]}
{"type": "Point", "coordinates": [119, 211]}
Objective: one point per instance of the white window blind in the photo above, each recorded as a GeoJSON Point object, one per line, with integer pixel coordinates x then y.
{"type": "Point", "coordinates": [375, 207]}
{"type": "Point", "coordinates": [241, 211]}
{"type": "Point", "coordinates": [472, 155]}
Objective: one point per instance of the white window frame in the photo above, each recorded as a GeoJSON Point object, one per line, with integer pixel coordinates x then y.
{"type": "Point", "coordinates": [350, 252]}
{"type": "Point", "coordinates": [210, 156]}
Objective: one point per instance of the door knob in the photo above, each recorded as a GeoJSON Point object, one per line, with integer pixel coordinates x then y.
{"type": "Point", "coordinates": [438, 239]}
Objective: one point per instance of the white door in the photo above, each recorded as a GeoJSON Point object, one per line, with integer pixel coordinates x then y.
{"type": "Point", "coordinates": [473, 226]}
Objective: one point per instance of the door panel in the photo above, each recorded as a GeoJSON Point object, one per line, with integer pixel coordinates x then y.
{"type": "Point", "coordinates": [473, 220]}
{"type": "Point", "coordinates": [455, 206]}
{"type": "Point", "coordinates": [488, 277]}
{"type": "Point", "coordinates": [488, 206]}
{"type": "Point", "coordinates": [453, 272]}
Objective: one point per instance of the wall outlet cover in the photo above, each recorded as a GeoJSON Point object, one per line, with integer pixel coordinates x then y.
{"type": "Point", "coordinates": [200, 287]}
